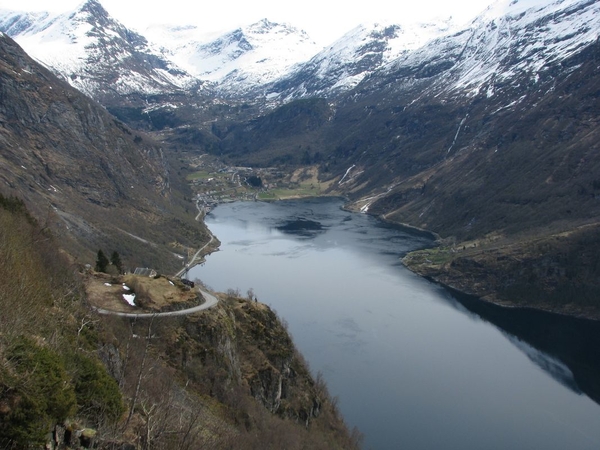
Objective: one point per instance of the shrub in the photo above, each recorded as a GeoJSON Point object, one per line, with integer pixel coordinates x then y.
{"type": "Point", "coordinates": [35, 395]}
{"type": "Point", "coordinates": [98, 394]}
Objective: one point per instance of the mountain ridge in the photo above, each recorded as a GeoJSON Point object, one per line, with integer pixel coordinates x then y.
{"type": "Point", "coordinates": [342, 65]}
{"type": "Point", "coordinates": [94, 180]}
{"type": "Point", "coordinates": [239, 64]}
{"type": "Point", "coordinates": [250, 55]}
{"type": "Point", "coordinates": [97, 54]}
{"type": "Point", "coordinates": [483, 131]}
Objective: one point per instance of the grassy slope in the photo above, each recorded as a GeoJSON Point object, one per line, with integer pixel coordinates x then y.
{"type": "Point", "coordinates": [212, 380]}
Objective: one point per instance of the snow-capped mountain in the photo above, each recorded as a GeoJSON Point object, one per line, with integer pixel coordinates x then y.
{"type": "Point", "coordinates": [513, 43]}
{"type": "Point", "coordinates": [510, 37]}
{"type": "Point", "coordinates": [14, 23]}
{"type": "Point", "coordinates": [95, 53]}
{"type": "Point", "coordinates": [362, 51]}
{"type": "Point", "coordinates": [103, 58]}
{"type": "Point", "coordinates": [487, 115]}
{"type": "Point", "coordinates": [238, 60]}
{"type": "Point", "coordinates": [463, 133]}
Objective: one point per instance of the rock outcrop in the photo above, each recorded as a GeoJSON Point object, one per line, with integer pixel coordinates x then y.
{"type": "Point", "coordinates": [95, 180]}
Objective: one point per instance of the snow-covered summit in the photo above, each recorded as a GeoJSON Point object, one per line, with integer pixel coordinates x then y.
{"type": "Point", "coordinates": [87, 47]}
{"type": "Point", "coordinates": [247, 56]}
{"type": "Point", "coordinates": [510, 42]}
{"type": "Point", "coordinates": [94, 52]}
{"type": "Point", "coordinates": [360, 52]}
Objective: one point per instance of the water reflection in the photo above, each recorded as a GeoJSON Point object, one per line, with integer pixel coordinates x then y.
{"type": "Point", "coordinates": [301, 227]}
{"type": "Point", "coordinates": [554, 367]}
{"type": "Point", "coordinates": [568, 349]}
{"type": "Point", "coordinates": [414, 365]}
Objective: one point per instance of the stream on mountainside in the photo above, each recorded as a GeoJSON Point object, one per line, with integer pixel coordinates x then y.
{"type": "Point", "coordinates": [414, 365]}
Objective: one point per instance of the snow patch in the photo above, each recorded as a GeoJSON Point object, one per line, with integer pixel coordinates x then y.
{"type": "Point", "coordinates": [129, 298]}
{"type": "Point", "coordinates": [462, 122]}
{"type": "Point", "coordinates": [346, 174]}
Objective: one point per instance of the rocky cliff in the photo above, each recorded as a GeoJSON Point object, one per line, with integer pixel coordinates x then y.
{"type": "Point", "coordinates": [95, 181]}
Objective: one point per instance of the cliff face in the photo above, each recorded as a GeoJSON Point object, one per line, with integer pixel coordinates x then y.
{"type": "Point", "coordinates": [93, 178]}
{"type": "Point", "coordinates": [230, 377]}
{"type": "Point", "coordinates": [257, 354]}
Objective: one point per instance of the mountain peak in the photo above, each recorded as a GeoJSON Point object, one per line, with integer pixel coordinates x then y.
{"type": "Point", "coordinates": [86, 44]}
{"type": "Point", "coordinates": [93, 13]}
{"type": "Point", "coordinates": [93, 7]}
{"type": "Point", "coordinates": [360, 52]}
{"type": "Point", "coordinates": [265, 26]}
{"type": "Point", "coordinates": [265, 23]}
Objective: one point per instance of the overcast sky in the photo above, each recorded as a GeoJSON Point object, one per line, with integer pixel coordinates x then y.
{"type": "Point", "coordinates": [323, 20]}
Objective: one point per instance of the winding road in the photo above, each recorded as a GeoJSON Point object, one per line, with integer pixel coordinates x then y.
{"type": "Point", "coordinates": [193, 260]}
{"type": "Point", "coordinates": [211, 301]}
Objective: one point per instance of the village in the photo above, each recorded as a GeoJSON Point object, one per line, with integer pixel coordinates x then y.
{"type": "Point", "coordinates": [213, 182]}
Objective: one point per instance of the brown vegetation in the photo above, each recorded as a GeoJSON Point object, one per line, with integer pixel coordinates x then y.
{"type": "Point", "coordinates": [228, 377]}
{"type": "Point", "coordinates": [159, 293]}
{"type": "Point", "coordinates": [48, 367]}
{"type": "Point", "coordinates": [557, 272]}
{"type": "Point", "coordinates": [225, 378]}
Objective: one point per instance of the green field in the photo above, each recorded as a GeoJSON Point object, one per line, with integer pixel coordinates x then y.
{"type": "Point", "coordinates": [203, 175]}
{"type": "Point", "coordinates": [302, 191]}
{"type": "Point", "coordinates": [432, 256]}
{"type": "Point", "coordinates": [267, 196]}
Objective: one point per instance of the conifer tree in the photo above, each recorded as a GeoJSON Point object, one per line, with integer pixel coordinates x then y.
{"type": "Point", "coordinates": [101, 262]}
{"type": "Point", "coordinates": [115, 260]}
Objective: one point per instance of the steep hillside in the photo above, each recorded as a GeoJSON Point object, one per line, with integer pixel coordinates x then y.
{"type": "Point", "coordinates": [291, 134]}
{"type": "Point", "coordinates": [93, 180]}
{"type": "Point", "coordinates": [486, 135]}
{"type": "Point", "coordinates": [48, 373]}
{"type": "Point", "coordinates": [225, 378]}
{"type": "Point", "coordinates": [496, 150]}
{"type": "Point", "coordinates": [96, 54]}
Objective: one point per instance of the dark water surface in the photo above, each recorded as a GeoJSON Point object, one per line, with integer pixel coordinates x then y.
{"type": "Point", "coordinates": [413, 366]}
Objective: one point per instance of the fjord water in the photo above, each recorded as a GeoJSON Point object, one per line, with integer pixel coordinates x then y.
{"type": "Point", "coordinates": [413, 366]}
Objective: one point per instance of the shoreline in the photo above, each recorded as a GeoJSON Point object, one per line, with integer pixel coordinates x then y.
{"type": "Point", "coordinates": [488, 298]}
{"type": "Point", "coordinates": [407, 227]}
{"type": "Point", "coordinates": [488, 294]}
{"type": "Point", "coordinates": [503, 304]}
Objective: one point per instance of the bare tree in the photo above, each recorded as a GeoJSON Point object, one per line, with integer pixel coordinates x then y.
{"type": "Point", "coordinates": [140, 373]}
